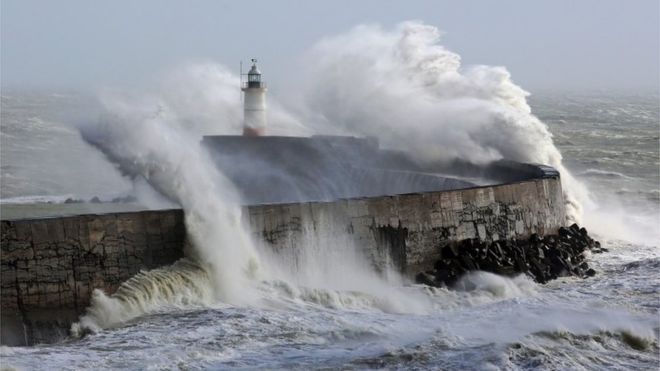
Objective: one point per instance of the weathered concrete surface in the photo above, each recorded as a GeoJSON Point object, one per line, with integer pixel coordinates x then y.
{"type": "Point", "coordinates": [54, 264]}
{"type": "Point", "coordinates": [410, 230]}
{"type": "Point", "coordinates": [49, 267]}
{"type": "Point", "coordinates": [276, 169]}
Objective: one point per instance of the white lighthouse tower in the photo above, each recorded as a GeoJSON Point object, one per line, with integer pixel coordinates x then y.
{"type": "Point", "coordinates": [254, 103]}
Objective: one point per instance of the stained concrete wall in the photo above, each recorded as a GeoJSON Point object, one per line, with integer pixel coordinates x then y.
{"type": "Point", "coordinates": [49, 267]}
{"type": "Point", "coordinates": [410, 230]}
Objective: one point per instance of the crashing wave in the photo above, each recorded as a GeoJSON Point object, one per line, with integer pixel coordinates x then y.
{"type": "Point", "coordinates": [183, 283]}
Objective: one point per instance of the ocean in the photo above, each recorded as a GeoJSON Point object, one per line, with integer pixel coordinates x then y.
{"type": "Point", "coordinates": [609, 142]}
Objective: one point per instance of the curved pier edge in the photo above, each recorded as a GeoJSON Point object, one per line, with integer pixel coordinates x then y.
{"type": "Point", "coordinates": [49, 267]}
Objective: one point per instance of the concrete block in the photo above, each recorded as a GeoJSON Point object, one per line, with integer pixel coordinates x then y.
{"type": "Point", "coordinates": [40, 232]}
{"type": "Point", "coordinates": [456, 201]}
{"type": "Point", "coordinates": [481, 232]}
{"type": "Point", "coordinates": [96, 231]}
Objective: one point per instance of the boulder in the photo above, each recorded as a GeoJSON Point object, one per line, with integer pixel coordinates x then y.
{"type": "Point", "coordinates": [541, 257]}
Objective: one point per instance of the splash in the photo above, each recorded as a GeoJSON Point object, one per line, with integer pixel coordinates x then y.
{"type": "Point", "coordinates": [405, 88]}
{"type": "Point", "coordinates": [183, 283]}
{"type": "Point", "coordinates": [148, 139]}
{"type": "Point", "coordinates": [497, 286]}
{"type": "Point", "coordinates": [324, 265]}
{"type": "Point", "coordinates": [207, 101]}
{"type": "Point", "coordinates": [400, 86]}
{"type": "Point", "coordinates": [155, 139]}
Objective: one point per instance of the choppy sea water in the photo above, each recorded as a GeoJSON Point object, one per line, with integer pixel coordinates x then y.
{"type": "Point", "coordinates": [610, 321]}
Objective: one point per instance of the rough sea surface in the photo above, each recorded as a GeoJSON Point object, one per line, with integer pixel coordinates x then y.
{"type": "Point", "coordinates": [611, 321]}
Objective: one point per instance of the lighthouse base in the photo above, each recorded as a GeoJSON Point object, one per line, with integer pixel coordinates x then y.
{"type": "Point", "coordinates": [253, 132]}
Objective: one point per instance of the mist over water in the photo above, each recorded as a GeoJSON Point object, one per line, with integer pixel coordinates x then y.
{"type": "Point", "coordinates": [235, 303]}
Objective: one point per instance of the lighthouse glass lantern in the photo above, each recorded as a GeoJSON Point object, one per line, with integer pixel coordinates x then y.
{"type": "Point", "coordinates": [254, 78]}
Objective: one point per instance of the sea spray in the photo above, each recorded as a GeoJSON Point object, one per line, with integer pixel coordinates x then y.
{"type": "Point", "coordinates": [324, 264]}
{"type": "Point", "coordinates": [144, 138]}
{"type": "Point", "coordinates": [498, 286]}
{"type": "Point", "coordinates": [184, 283]}
{"type": "Point", "coordinates": [400, 86]}
{"type": "Point", "coordinates": [405, 88]}
{"type": "Point", "coordinates": [206, 99]}
{"type": "Point", "coordinates": [156, 138]}
{"type": "Point", "coordinates": [469, 330]}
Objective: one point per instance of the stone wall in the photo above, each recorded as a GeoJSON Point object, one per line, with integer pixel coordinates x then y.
{"type": "Point", "coordinates": [410, 230]}
{"type": "Point", "coordinates": [49, 267]}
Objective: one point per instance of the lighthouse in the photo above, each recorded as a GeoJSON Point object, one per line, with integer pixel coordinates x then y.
{"type": "Point", "coordinates": [254, 103]}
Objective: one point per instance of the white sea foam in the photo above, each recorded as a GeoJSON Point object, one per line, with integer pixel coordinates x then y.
{"type": "Point", "coordinates": [147, 139]}
{"type": "Point", "coordinates": [405, 88]}
{"type": "Point", "coordinates": [475, 113]}
{"type": "Point", "coordinates": [604, 174]}
{"type": "Point", "coordinates": [449, 111]}
{"type": "Point", "coordinates": [183, 283]}
{"type": "Point", "coordinates": [326, 306]}
{"type": "Point", "coordinates": [498, 286]}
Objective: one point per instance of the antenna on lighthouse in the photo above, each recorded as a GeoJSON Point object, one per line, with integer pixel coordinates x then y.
{"type": "Point", "coordinates": [240, 77]}
{"type": "Point", "coordinates": [254, 102]}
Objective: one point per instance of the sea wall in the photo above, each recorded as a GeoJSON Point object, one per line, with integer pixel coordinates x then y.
{"type": "Point", "coordinates": [49, 267]}
{"type": "Point", "coordinates": [410, 230]}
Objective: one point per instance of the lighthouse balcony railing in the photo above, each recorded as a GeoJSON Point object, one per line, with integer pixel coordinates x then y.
{"type": "Point", "coordinates": [253, 84]}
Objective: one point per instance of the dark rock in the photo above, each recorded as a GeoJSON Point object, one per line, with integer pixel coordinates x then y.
{"type": "Point", "coordinates": [467, 262]}
{"type": "Point", "coordinates": [425, 279]}
{"type": "Point", "coordinates": [521, 266]}
{"type": "Point", "coordinates": [449, 252]}
{"type": "Point", "coordinates": [540, 252]}
{"type": "Point", "coordinates": [590, 272]}
{"type": "Point", "coordinates": [446, 277]}
{"type": "Point", "coordinates": [506, 270]}
{"type": "Point", "coordinates": [495, 250]}
{"type": "Point", "coordinates": [542, 257]}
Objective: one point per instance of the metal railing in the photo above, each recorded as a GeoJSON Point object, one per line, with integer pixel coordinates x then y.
{"type": "Point", "coordinates": [253, 84]}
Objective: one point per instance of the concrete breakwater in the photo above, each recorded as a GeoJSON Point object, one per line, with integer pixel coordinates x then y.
{"type": "Point", "coordinates": [50, 266]}
{"type": "Point", "coordinates": [543, 258]}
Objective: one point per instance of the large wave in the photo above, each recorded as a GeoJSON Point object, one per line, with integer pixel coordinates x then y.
{"type": "Point", "coordinates": [147, 138]}
{"type": "Point", "coordinates": [156, 137]}
{"type": "Point", "coordinates": [405, 88]}
{"type": "Point", "coordinates": [398, 85]}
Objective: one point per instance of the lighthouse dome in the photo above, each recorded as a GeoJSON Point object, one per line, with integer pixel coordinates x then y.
{"type": "Point", "coordinates": [254, 70]}
{"type": "Point", "coordinates": [254, 76]}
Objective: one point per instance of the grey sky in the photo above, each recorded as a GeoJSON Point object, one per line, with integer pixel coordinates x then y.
{"type": "Point", "coordinates": [594, 44]}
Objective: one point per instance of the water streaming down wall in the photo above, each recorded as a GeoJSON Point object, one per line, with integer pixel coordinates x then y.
{"type": "Point", "coordinates": [51, 266]}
